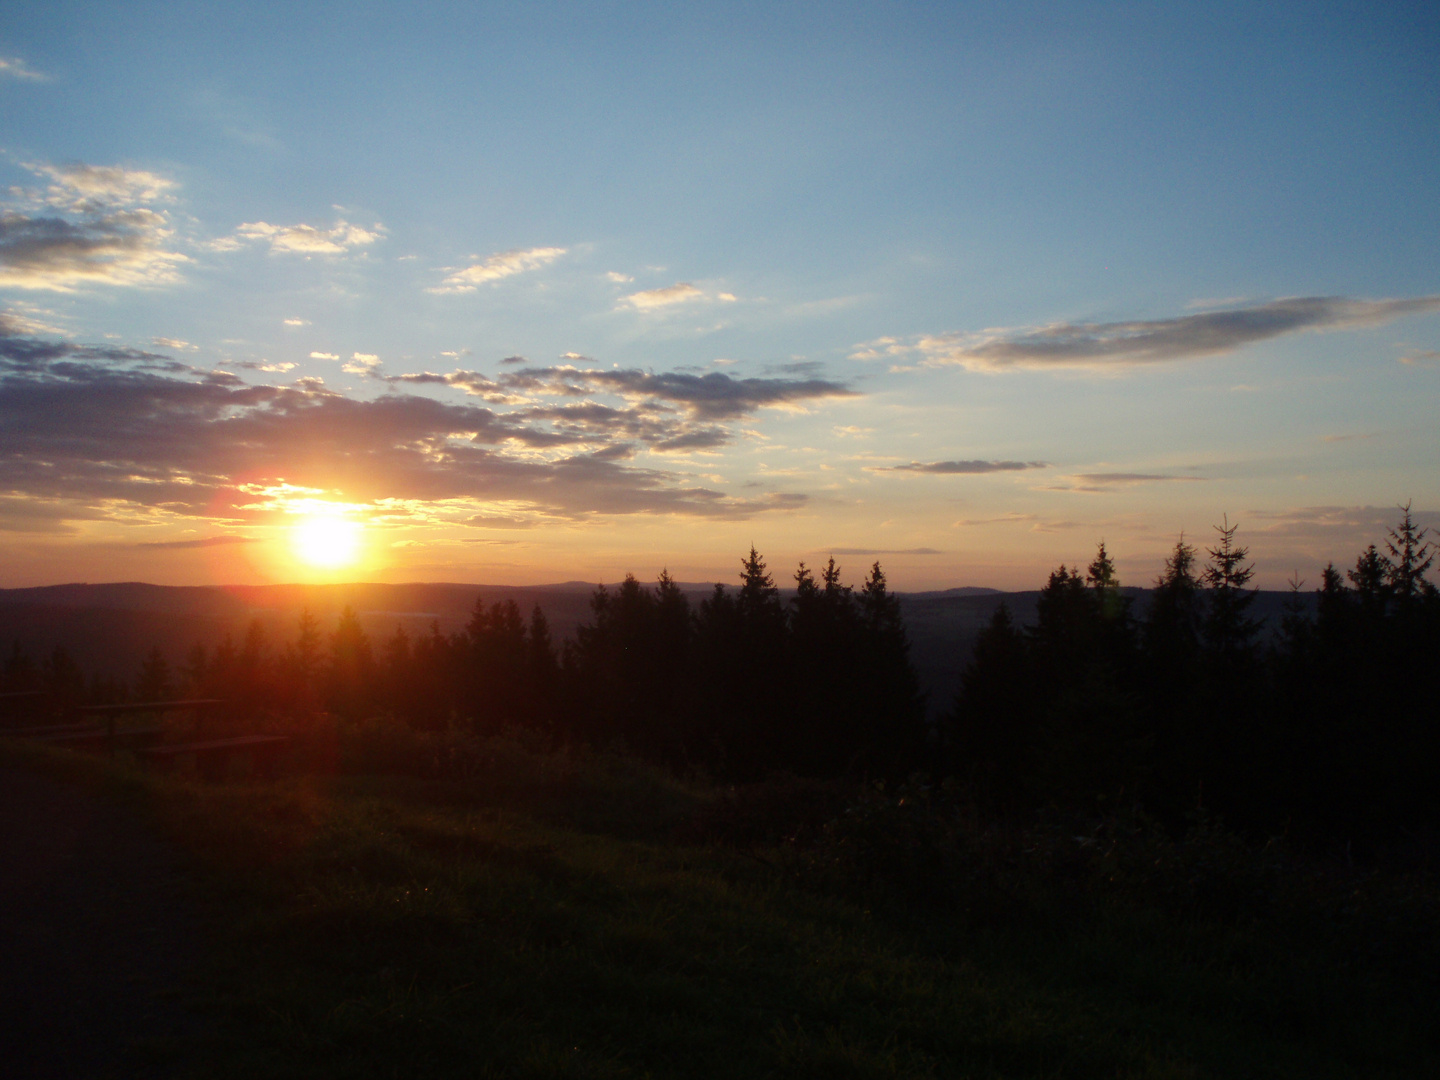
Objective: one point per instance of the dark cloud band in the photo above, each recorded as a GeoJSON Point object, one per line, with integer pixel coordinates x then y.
{"type": "Point", "coordinates": [97, 425]}
{"type": "Point", "coordinates": [1185, 337]}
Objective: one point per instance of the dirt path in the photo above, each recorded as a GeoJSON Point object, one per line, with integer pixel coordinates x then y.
{"type": "Point", "coordinates": [99, 932]}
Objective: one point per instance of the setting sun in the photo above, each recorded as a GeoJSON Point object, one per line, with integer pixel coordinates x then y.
{"type": "Point", "coordinates": [326, 540]}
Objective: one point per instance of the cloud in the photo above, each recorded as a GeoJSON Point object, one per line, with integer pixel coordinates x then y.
{"type": "Point", "coordinates": [670, 412]}
{"type": "Point", "coordinates": [954, 468]}
{"type": "Point", "coordinates": [361, 364]}
{"type": "Point", "coordinates": [1422, 357]}
{"type": "Point", "coordinates": [27, 514]}
{"type": "Point", "coordinates": [498, 267]}
{"type": "Point", "coordinates": [1093, 483]}
{"type": "Point", "coordinates": [89, 226]}
{"type": "Point", "coordinates": [1133, 478]}
{"type": "Point", "coordinates": [261, 365]}
{"type": "Point", "coordinates": [307, 239]}
{"type": "Point", "coordinates": [14, 68]}
{"type": "Point", "coordinates": [1004, 519]}
{"type": "Point", "coordinates": [324, 356]}
{"type": "Point", "coordinates": [504, 521]}
{"type": "Point", "coordinates": [650, 299]}
{"type": "Point", "coordinates": [297, 322]}
{"type": "Point", "coordinates": [172, 343]}
{"type": "Point", "coordinates": [1186, 337]}
{"type": "Point", "coordinates": [617, 277]}
{"type": "Point", "coordinates": [1377, 519]}
{"type": "Point", "coordinates": [124, 432]}
{"type": "Point", "coordinates": [712, 396]}
{"type": "Point", "coordinates": [81, 188]}
{"type": "Point", "coordinates": [204, 542]}
{"type": "Point", "coordinates": [1340, 532]}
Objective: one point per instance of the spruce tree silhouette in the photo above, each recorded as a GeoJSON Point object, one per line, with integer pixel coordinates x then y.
{"type": "Point", "coordinates": [993, 722]}
{"type": "Point", "coordinates": [1410, 558]}
{"type": "Point", "coordinates": [1228, 630]}
{"type": "Point", "coordinates": [350, 679]}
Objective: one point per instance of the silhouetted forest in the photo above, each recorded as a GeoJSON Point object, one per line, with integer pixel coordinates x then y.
{"type": "Point", "coordinates": [1328, 727]}
{"type": "Point", "coordinates": [739, 685]}
{"type": "Point", "coordinates": [1182, 702]}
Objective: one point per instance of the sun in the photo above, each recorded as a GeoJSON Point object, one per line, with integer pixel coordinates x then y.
{"type": "Point", "coordinates": [326, 541]}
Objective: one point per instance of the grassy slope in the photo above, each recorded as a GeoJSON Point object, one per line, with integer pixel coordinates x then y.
{"type": "Point", "coordinates": [542, 922]}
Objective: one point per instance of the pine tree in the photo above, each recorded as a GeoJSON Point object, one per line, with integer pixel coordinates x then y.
{"type": "Point", "coordinates": [1228, 630]}
{"type": "Point", "coordinates": [1410, 558]}
{"type": "Point", "coordinates": [992, 725]}
{"type": "Point", "coordinates": [352, 667]}
{"type": "Point", "coordinates": [1172, 625]}
{"type": "Point", "coordinates": [1371, 578]}
{"type": "Point", "coordinates": [759, 598]}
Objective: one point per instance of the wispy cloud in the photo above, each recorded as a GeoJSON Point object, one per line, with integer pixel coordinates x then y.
{"type": "Point", "coordinates": [1422, 357]}
{"type": "Point", "coordinates": [1115, 344]}
{"type": "Point", "coordinates": [80, 188]}
{"type": "Point", "coordinates": [498, 267]}
{"type": "Point", "coordinates": [12, 67]}
{"type": "Point", "coordinates": [1334, 526]}
{"type": "Point", "coordinates": [1092, 483]}
{"type": "Point", "coordinates": [1003, 519]}
{"type": "Point", "coordinates": [648, 300]}
{"type": "Point", "coordinates": [340, 238]}
{"type": "Point", "coordinates": [223, 540]}
{"type": "Point", "coordinates": [260, 365]}
{"type": "Point", "coordinates": [89, 226]}
{"type": "Point", "coordinates": [959, 468]}
{"type": "Point", "coordinates": [682, 292]}
{"type": "Point", "coordinates": [1133, 478]}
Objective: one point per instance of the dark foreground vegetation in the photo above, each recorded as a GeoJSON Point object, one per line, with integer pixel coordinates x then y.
{"type": "Point", "coordinates": [445, 904]}
{"type": "Point", "coordinates": [1155, 839]}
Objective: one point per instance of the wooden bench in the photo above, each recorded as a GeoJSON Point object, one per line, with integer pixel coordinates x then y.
{"type": "Point", "coordinates": [212, 756]}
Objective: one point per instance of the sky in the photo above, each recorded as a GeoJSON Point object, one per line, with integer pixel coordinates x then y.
{"type": "Point", "coordinates": [516, 294]}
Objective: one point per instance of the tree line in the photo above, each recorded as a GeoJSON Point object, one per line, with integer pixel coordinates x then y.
{"type": "Point", "coordinates": [1327, 723]}
{"type": "Point", "coordinates": [741, 684]}
{"type": "Point", "coordinates": [1327, 726]}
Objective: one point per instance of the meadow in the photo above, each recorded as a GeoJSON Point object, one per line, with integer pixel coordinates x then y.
{"type": "Point", "coordinates": [405, 903]}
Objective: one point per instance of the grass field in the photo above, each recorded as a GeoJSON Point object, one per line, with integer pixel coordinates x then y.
{"type": "Point", "coordinates": [558, 915]}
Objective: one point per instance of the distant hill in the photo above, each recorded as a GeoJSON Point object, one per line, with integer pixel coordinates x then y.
{"type": "Point", "coordinates": [110, 628]}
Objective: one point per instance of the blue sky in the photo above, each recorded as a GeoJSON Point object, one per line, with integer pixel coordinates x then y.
{"type": "Point", "coordinates": [594, 288]}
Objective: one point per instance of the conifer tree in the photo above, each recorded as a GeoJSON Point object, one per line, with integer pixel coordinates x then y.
{"type": "Point", "coordinates": [1410, 557]}
{"type": "Point", "coordinates": [351, 672]}
{"type": "Point", "coordinates": [1228, 629]}
{"type": "Point", "coordinates": [1371, 578]}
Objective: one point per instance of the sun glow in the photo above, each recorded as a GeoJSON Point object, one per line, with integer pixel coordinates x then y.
{"type": "Point", "coordinates": [326, 541]}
